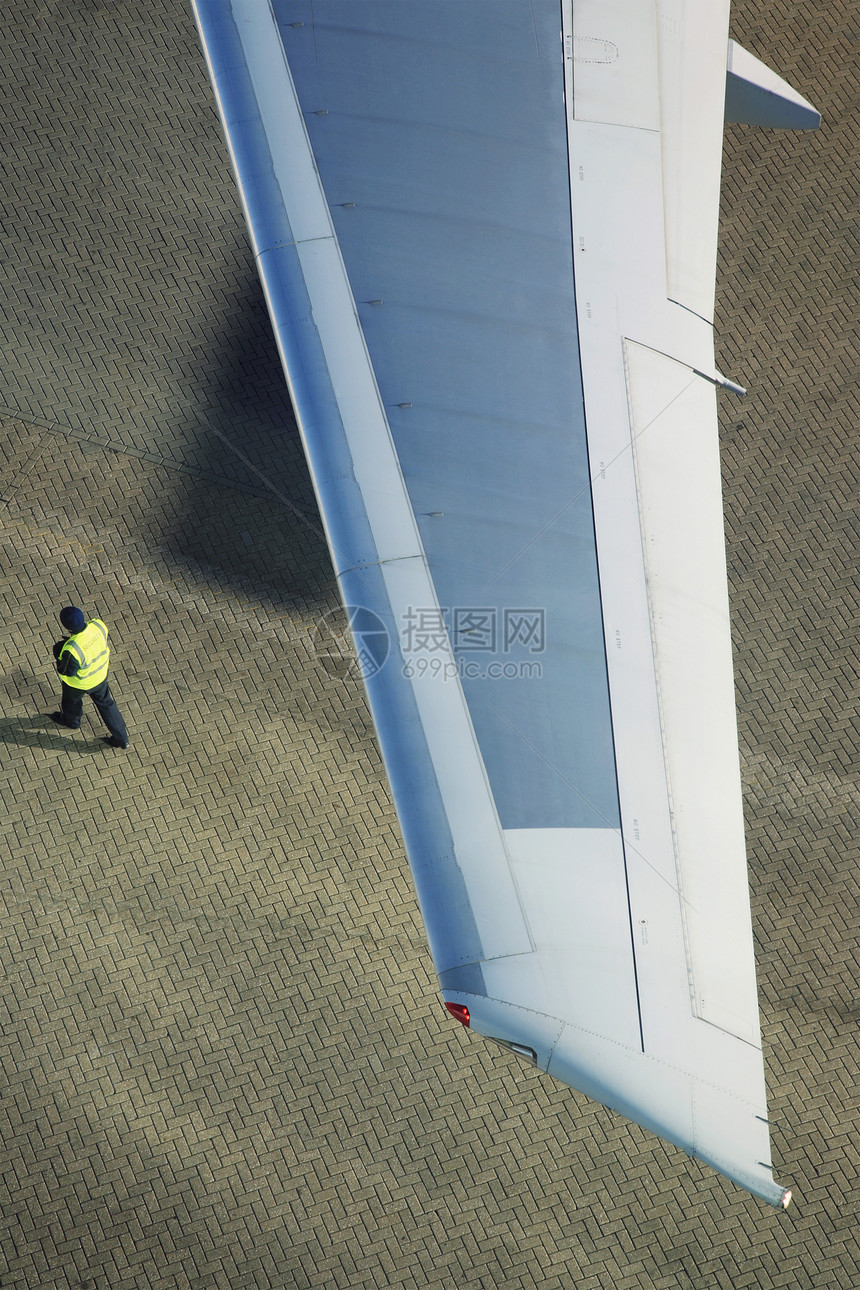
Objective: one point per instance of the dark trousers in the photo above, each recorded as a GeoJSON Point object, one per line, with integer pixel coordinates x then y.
{"type": "Point", "coordinates": [73, 703]}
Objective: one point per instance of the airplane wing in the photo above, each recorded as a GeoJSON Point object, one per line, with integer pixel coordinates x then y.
{"type": "Point", "coordinates": [487, 233]}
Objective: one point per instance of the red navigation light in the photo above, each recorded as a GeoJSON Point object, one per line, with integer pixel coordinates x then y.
{"type": "Point", "coordinates": [459, 1010]}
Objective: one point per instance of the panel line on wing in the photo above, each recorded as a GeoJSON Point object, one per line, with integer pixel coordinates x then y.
{"type": "Point", "coordinates": [569, 19]}
{"type": "Point", "coordinates": [610, 825]}
{"type": "Point", "coordinates": [637, 851]}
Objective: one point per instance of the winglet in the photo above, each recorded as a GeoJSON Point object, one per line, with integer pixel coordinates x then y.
{"type": "Point", "coordinates": [757, 96]}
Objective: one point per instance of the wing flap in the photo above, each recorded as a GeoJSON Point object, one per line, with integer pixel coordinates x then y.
{"type": "Point", "coordinates": [614, 49]}
{"type": "Point", "coordinates": [573, 887]}
{"type": "Point", "coordinates": [757, 96]}
{"type": "Point", "coordinates": [676, 461]}
{"type": "Point", "coordinates": [692, 41]}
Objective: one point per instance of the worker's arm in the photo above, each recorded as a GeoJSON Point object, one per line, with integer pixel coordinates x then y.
{"type": "Point", "coordinates": [67, 664]}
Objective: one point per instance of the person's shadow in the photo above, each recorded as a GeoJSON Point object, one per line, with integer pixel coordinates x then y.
{"type": "Point", "coordinates": [25, 688]}
{"type": "Point", "coordinates": [41, 732]}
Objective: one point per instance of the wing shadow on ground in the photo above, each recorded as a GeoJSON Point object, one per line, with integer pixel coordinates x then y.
{"type": "Point", "coordinates": [250, 516]}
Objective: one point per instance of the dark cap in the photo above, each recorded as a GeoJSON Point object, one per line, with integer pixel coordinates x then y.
{"type": "Point", "coordinates": [73, 619]}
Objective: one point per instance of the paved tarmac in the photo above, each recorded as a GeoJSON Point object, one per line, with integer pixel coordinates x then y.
{"type": "Point", "coordinates": [223, 1060]}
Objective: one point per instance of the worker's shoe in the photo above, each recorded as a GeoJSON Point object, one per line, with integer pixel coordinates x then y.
{"type": "Point", "coordinates": [61, 720]}
{"type": "Point", "coordinates": [113, 742]}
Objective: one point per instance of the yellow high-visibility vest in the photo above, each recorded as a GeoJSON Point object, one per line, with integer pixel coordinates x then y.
{"type": "Point", "coordinates": [90, 649]}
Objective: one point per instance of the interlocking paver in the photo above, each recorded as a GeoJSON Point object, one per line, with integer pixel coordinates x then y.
{"type": "Point", "coordinates": [223, 1059]}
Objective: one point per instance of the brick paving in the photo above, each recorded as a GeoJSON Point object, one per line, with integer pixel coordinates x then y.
{"type": "Point", "coordinates": [224, 1063]}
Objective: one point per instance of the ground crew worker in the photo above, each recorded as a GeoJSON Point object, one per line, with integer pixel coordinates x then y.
{"type": "Point", "coordinates": [82, 662]}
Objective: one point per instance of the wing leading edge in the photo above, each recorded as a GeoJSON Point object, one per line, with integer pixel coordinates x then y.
{"type": "Point", "coordinates": [512, 435]}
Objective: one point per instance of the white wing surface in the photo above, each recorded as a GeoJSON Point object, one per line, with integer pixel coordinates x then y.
{"type": "Point", "coordinates": [487, 235]}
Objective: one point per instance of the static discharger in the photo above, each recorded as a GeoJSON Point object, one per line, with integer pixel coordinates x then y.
{"type": "Point", "coordinates": [718, 379]}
